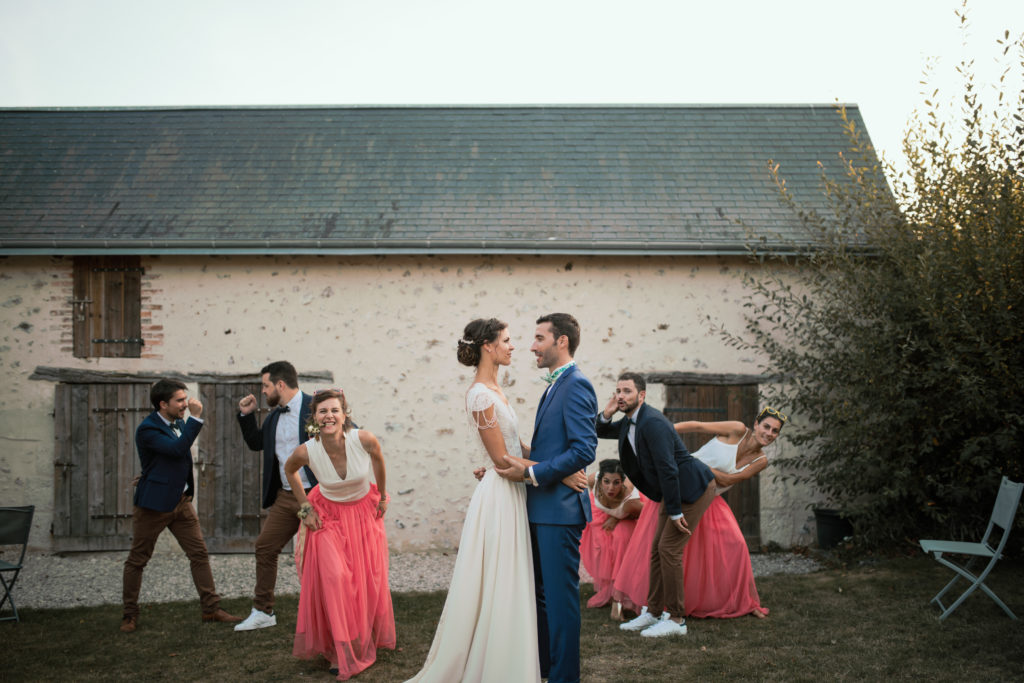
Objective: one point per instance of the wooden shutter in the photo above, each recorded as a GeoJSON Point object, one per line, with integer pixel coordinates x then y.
{"type": "Point", "coordinates": [107, 307]}
{"type": "Point", "coordinates": [95, 463]}
{"type": "Point", "coordinates": [229, 475]}
{"type": "Point", "coordinates": [717, 403]}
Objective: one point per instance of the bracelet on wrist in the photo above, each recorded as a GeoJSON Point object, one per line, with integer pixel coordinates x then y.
{"type": "Point", "coordinates": [304, 510]}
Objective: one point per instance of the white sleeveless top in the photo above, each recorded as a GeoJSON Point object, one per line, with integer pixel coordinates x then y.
{"type": "Point", "coordinates": [722, 456]}
{"type": "Point", "coordinates": [616, 512]}
{"type": "Point", "coordinates": [356, 483]}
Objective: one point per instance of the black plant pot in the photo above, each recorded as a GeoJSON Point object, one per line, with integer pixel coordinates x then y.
{"type": "Point", "coordinates": [832, 528]}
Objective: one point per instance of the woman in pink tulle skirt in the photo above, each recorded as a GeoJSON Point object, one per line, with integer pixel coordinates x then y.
{"type": "Point", "coordinates": [345, 610]}
{"type": "Point", "coordinates": [718, 580]}
{"type": "Point", "coordinates": [615, 504]}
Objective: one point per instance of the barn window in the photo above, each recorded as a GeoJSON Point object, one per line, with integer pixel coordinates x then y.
{"type": "Point", "coordinates": [107, 307]}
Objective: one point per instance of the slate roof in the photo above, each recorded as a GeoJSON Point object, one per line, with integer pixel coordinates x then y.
{"type": "Point", "coordinates": [526, 179]}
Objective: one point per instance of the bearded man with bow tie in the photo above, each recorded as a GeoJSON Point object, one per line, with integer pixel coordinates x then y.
{"type": "Point", "coordinates": [163, 498]}
{"type": "Point", "coordinates": [281, 433]}
{"type": "Point", "coordinates": [656, 461]}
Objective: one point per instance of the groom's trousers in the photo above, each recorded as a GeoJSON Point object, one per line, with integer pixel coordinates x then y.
{"type": "Point", "coordinates": [556, 562]}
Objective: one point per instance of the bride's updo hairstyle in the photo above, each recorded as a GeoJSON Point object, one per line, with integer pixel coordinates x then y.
{"type": "Point", "coordinates": [476, 334]}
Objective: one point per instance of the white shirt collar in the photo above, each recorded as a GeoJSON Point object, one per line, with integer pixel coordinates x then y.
{"type": "Point", "coordinates": [295, 405]}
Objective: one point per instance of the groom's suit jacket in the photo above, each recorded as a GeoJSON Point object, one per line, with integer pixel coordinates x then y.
{"type": "Point", "coordinates": [564, 441]}
{"type": "Point", "coordinates": [265, 440]}
{"type": "Point", "coordinates": [166, 463]}
{"type": "Point", "coordinates": [661, 467]}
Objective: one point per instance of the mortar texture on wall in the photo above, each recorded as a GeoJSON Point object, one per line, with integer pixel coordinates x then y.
{"type": "Point", "coordinates": [386, 326]}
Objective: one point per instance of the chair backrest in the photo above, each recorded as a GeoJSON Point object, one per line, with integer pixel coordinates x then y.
{"type": "Point", "coordinates": [15, 525]}
{"type": "Point", "coordinates": [1005, 509]}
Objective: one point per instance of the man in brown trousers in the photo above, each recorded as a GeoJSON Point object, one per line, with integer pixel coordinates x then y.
{"type": "Point", "coordinates": [281, 433]}
{"type": "Point", "coordinates": [163, 498]}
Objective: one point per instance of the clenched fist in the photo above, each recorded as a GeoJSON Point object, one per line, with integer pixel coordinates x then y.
{"type": "Point", "coordinates": [247, 404]}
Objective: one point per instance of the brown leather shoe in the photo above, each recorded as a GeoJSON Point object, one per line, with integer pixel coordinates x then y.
{"type": "Point", "coordinates": [128, 624]}
{"type": "Point", "coordinates": [221, 615]}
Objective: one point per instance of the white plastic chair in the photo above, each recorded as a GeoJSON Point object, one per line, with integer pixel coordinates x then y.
{"type": "Point", "coordinates": [1003, 513]}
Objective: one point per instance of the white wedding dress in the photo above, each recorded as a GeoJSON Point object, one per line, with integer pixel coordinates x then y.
{"type": "Point", "coordinates": [488, 629]}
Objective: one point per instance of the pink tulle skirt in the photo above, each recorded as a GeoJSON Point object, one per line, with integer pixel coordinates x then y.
{"type": "Point", "coordinates": [345, 610]}
{"type": "Point", "coordinates": [718, 580]}
{"type": "Point", "coordinates": [602, 551]}
{"type": "Point", "coordinates": [631, 582]}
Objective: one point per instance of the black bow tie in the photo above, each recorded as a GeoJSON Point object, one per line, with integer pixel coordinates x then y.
{"type": "Point", "coordinates": [283, 409]}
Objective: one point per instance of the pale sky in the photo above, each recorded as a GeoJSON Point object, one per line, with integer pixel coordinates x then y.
{"type": "Point", "coordinates": [124, 53]}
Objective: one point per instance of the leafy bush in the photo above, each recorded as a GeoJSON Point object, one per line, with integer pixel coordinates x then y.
{"type": "Point", "coordinates": [896, 327]}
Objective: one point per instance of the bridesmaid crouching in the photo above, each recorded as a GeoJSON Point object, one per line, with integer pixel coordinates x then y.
{"type": "Point", "coordinates": [615, 504]}
{"type": "Point", "coordinates": [345, 610]}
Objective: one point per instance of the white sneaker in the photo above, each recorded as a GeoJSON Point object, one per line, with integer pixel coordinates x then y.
{"type": "Point", "coordinates": [257, 619]}
{"type": "Point", "coordinates": [665, 627]}
{"type": "Point", "coordinates": [644, 620]}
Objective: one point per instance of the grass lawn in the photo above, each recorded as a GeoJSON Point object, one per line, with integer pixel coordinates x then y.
{"type": "Point", "coordinates": [868, 623]}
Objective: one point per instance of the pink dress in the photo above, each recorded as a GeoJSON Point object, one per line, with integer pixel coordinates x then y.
{"type": "Point", "coordinates": [718, 580]}
{"type": "Point", "coordinates": [602, 551]}
{"type": "Point", "coordinates": [345, 610]}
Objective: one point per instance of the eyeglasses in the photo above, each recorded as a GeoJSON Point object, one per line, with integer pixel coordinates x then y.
{"type": "Point", "coordinates": [774, 413]}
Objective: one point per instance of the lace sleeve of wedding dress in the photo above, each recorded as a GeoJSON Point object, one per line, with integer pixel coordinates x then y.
{"type": "Point", "coordinates": [481, 408]}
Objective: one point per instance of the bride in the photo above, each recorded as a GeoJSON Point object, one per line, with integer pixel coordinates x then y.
{"type": "Point", "coordinates": [488, 628]}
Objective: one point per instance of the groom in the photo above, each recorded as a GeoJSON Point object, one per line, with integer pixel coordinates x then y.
{"type": "Point", "coordinates": [564, 442]}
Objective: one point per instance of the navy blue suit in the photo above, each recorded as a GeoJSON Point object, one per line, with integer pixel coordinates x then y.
{"type": "Point", "coordinates": [665, 472]}
{"type": "Point", "coordinates": [166, 463]}
{"type": "Point", "coordinates": [265, 440]}
{"type": "Point", "coordinates": [564, 441]}
{"type": "Point", "coordinates": [661, 467]}
{"type": "Point", "coordinates": [163, 500]}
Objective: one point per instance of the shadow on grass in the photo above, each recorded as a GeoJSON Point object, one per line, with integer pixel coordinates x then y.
{"type": "Point", "coordinates": [867, 623]}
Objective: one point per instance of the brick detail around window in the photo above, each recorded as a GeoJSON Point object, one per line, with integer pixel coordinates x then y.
{"type": "Point", "coordinates": [62, 290]}
{"type": "Point", "coordinates": [152, 313]}
{"type": "Point", "coordinates": [62, 311]}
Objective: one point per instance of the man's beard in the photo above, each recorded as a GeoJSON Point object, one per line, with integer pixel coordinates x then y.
{"type": "Point", "coordinates": [549, 359]}
{"type": "Point", "coordinates": [273, 399]}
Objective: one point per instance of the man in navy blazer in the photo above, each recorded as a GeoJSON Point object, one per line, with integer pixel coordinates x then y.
{"type": "Point", "coordinates": [564, 443]}
{"type": "Point", "coordinates": [281, 433]}
{"type": "Point", "coordinates": [163, 498]}
{"type": "Point", "coordinates": [656, 461]}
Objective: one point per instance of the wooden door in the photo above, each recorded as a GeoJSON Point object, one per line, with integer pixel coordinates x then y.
{"type": "Point", "coordinates": [716, 403]}
{"type": "Point", "coordinates": [229, 475]}
{"type": "Point", "coordinates": [95, 464]}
